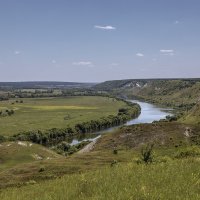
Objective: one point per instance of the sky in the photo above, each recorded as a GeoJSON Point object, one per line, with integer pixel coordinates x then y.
{"type": "Point", "coordinates": [99, 40]}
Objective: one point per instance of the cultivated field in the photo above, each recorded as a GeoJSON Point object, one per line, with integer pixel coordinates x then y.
{"type": "Point", "coordinates": [46, 113]}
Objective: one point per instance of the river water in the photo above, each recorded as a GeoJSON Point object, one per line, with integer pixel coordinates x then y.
{"type": "Point", "coordinates": [149, 113]}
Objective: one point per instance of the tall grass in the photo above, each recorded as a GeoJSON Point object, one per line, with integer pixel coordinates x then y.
{"type": "Point", "coordinates": [175, 180]}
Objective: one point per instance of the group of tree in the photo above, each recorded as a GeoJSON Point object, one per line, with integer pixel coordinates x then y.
{"type": "Point", "coordinates": [6, 112]}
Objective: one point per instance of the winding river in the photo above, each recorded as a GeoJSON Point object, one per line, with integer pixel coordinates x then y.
{"type": "Point", "coordinates": [149, 113]}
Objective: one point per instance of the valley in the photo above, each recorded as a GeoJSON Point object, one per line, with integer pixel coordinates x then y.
{"type": "Point", "coordinates": [33, 165]}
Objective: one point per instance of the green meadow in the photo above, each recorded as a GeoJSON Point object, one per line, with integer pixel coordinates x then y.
{"type": "Point", "coordinates": [46, 113]}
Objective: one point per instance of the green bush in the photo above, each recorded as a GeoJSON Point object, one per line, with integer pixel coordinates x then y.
{"type": "Point", "coordinates": [147, 154]}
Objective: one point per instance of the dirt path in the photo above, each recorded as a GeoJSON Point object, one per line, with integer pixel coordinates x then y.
{"type": "Point", "coordinates": [88, 147]}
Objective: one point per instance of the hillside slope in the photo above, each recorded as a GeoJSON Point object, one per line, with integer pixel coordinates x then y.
{"type": "Point", "coordinates": [14, 153]}
{"type": "Point", "coordinates": [193, 116]}
{"type": "Point", "coordinates": [179, 93]}
{"type": "Point", "coordinates": [121, 174]}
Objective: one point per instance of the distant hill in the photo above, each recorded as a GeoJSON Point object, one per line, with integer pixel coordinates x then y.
{"type": "Point", "coordinates": [44, 84]}
{"type": "Point", "coordinates": [128, 83]}
{"type": "Point", "coordinates": [183, 93]}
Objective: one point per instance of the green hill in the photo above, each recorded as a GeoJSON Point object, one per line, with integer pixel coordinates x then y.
{"type": "Point", "coordinates": [179, 93]}
{"type": "Point", "coordinates": [14, 153]}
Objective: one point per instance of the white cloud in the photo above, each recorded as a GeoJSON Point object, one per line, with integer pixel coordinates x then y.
{"type": "Point", "coordinates": [17, 52]}
{"type": "Point", "coordinates": [176, 22]}
{"type": "Point", "coordinates": [114, 64]}
{"type": "Point", "coordinates": [83, 63]}
{"type": "Point", "coordinates": [166, 50]}
{"type": "Point", "coordinates": [139, 54]}
{"type": "Point", "coordinates": [105, 27]}
{"type": "Point", "coordinates": [54, 61]}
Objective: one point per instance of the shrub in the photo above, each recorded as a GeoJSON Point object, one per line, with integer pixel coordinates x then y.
{"type": "Point", "coordinates": [41, 169]}
{"type": "Point", "coordinates": [115, 151]}
{"type": "Point", "coordinates": [113, 163]}
{"type": "Point", "coordinates": [147, 154]}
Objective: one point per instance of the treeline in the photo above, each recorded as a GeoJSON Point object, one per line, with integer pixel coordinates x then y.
{"type": "Point", "coordinates": [39, 93]}
{"type": "Point", "coordinates": [55, 136]}
{"type": "Point", "coordinates": [47, 137]}
{"type": "Point", "coordinates": [124, 114]}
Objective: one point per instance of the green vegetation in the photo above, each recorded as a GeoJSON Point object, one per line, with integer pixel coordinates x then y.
{"type": "Point", "coordinates": [144, 161]}
{"type": "Point", "coordinates": [6, 112]}
{"type": "Point", "coordinates": [119, 176]}
{"type": "Point", "coordinates": [168, 138]}
{"type": "Point", "coordinates": [178, 93]}
{"type": "Point", "coordinates": [193, 116]}
{"type": "Point", "coordinates": [14, 153]}
{"type": "Point", "coordinates": [171, 180]}
{"type": "Point", "coordinates": [47, 113]}
{"type": "Point", "coordinates": [54, 136]}
{"type": "Point", "coordinates": [66, 149]}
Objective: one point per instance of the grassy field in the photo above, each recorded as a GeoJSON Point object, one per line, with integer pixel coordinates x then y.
{"type": "Point", "coordinates": [46, 113]}
{"type": "Point", "coordinates": [174, 173]}
{"type": "Point", "coordinates": [177, 180]}
{"type": "Point", "coordinates": [169, 141]}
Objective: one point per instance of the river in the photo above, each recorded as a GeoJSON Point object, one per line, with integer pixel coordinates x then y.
{"type": "Point", "coordinates": [149, 113]}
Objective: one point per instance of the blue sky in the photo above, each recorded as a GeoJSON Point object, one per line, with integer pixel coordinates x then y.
{"type": "Point", "coordinates": [97, 40]}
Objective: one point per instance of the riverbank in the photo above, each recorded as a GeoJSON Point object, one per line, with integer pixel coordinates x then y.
{"type": "Point", "coordinates": [149, 113]}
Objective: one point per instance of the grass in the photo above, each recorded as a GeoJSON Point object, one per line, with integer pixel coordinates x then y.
{"type": "Point", "coordinates": [46, 113]}
{"type": "Point", "coordinates": [176, 180]}
{"type": "Point", "coordinates": [193, 116]}
{"type": "Point", "coordinates": [15, 153]}
{"type": "Point", "coordinates": [174, 173]}
{"type": "Point", "coordinates": [168, 138]}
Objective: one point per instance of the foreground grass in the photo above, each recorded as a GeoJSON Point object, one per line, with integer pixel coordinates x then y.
{"type": "Point", "coordinates": [46, 113]}
{"type": "Point", "coordinates": [19, 166]}
{"type": "Point", "coordinates": [177, 179]}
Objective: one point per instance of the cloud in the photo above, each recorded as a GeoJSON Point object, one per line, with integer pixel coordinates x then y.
{"type": "Point", "coordinates": [139, 54]}
{"type": "Point", "coordinates": [167, 52]}
{"type": "Point", "coordinates": [105, 27]}
{"type": "Point", "coordinates": [114, 64]}
{"type": "Point", "coordinates": [54, 61]}
{"type": "Point", "coordinates": [83, 63]}
{"type": "Point", "coordinates": [17, 52]}
{"type": "Point", "coordinates": [176, 22]}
